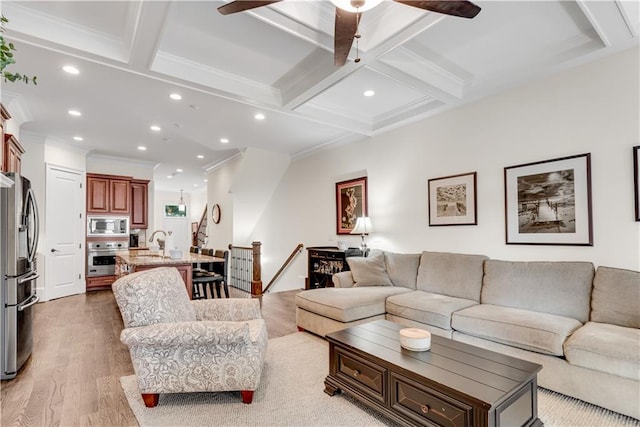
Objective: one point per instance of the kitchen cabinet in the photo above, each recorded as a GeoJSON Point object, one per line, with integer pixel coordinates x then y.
{"type": "Point", "coordinates": [100, 282]}
{"type": "Point", "coordinates": [108, 194]}
{"type": "Point", "coordinates": [4, 116]}
{"type": "Point", "coordinates": [13, 152]}
{"type": "Point", "coordinates": [139, 203]}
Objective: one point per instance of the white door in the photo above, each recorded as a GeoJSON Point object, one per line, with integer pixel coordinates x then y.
{"type": "Point", "coordinates": [64, 227]}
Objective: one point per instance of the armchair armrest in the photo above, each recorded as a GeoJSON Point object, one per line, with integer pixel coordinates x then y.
{"type": "Point", "coordinates": [186, 334]}
{"type": "Point", "coordinates": [230, 309]}
{"type": "Point", "coordinates": [343, 279]}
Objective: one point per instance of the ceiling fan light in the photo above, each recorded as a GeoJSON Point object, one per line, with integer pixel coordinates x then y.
{"type": "Point", "coordinates": [347, 5]}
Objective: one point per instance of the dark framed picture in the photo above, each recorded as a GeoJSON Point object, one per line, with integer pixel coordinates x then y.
{"type": "Point", "coordinates": [549, 202]}
{"type": "Point", "coordinates": [636, 179]}
{"type": "Point", "coordinates": [452, 200]}
{"type": "Point", "coordinates": [351, 203]}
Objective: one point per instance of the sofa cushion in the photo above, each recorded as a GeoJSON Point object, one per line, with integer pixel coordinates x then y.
{"type": "Point", "coordinates": [402, 268]}
{"type": "Point", "coordinates": [153, 296]}
{"type": "Point", "coordinates": [616, 297]}
{"type": "Point", "coordinates": [456, 275]}
{"type": "Point", "coordinates": [426, 307]}
{"type": "Point", "coordinates": [607, 348]}
{"type": "Point", "coordinates": [369, 271]}
{"type": "Point", "coordinates": [529, 330]}
{"type": "Point", "coordinates": [561, 288]}
{"type": "Point", "coordinates": [348, 304]}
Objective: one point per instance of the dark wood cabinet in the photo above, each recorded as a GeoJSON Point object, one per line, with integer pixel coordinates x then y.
{"type": "Point", "coordinates": [99, 282]}
{"type": "Point", "coordinates": [4, 116]}
{"type": "Point", "coordinates": [139, 203]}
{"type": "Point", "coordinates": [108, 194]}
{"type": "Point", "coordinates": [323, 263]}
{"type": "Point", "coordinates": [13, 152]}
{"type": "Point", "coordinates": [120, 196]}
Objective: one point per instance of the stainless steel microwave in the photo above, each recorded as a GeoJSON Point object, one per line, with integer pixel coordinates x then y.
{"type": "Point", "coordinates": [108, 226]}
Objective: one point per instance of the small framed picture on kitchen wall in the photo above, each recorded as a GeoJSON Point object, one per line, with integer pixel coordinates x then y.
{"type": "Point", "coordinates": [452, 200]}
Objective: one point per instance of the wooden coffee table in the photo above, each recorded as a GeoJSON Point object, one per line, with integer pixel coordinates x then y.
{"type": "Point", "coordinates": [452, 384]}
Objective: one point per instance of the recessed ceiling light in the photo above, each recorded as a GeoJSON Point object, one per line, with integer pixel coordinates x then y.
{"type": "Point", "coordinates": [78, 138]}
{"type": "Point", "coordinates": [259, 116]}
{"type": "Point", "coordinates": [369, 93]}
{"type": "Point", "coordinates": [75, 113]}
{"type": "Point", "coordinates": [200, 156]}
{"type": "Point", "coordinates": [175, 96]}
{"type": "Point", "coordinates": [169, 176]}
{"type": "Point", "coordinates": [155, 128]}
{"type": "Point", "coordinates": [71, 69]}
{"type": "Point", "coordinates": [142, 148]}
{"type": "Point", "coordinates": [224, 140]}
{"type": "Point", "coordinates": [206, 180]}
{"type": "Point", "coordinates": [195, 185]}
{"type": "Point", "coordinates": [178, 170]}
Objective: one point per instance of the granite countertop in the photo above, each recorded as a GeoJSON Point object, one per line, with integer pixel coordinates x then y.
{"type": "Point", "coordinates": [135, 258]}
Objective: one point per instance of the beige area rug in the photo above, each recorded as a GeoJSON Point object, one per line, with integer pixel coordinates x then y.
{"type": "Point", "coordinates": [291, 393]}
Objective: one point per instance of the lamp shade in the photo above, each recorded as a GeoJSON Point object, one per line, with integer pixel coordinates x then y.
{"type": "Point", "coordinates": [363, 226]}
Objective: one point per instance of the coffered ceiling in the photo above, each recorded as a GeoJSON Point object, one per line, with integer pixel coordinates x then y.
{"type": "Point", "coordinates": [277, 60]}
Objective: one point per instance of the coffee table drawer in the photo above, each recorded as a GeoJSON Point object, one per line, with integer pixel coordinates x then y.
{"type": "Point", "coordinates": [426, 405]}
{"type": "Point", "coordinates": [362, 374]}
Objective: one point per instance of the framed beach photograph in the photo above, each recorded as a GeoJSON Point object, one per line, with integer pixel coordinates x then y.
{"type": "Point", "coordinates": [351, 203]}
{"type": "Point", "coordinates": [549, 202]}
{"type": "Point", "coordinates": [173, 211]}
{"type": "Point", "coordinates": [452, 200]}
{"type": "Point", "coordinates": [636, 179]}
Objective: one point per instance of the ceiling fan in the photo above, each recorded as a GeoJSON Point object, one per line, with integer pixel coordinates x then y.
{"type": "Point", "coordinates": [348, 14]}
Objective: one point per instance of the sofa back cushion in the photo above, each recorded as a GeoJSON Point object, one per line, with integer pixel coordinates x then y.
{"type": "Point", "coordinates": [153, 296]}
{"type": "Point", "coordinates": [616, 297]}
{"type": "Point", "coordinates": [456, 275]}
{"type": "Point", "coordinates": [370, 271]}
{"type": "Point", "coordinates": [402, 269]}
{"type": "Point", "coordinates": [560, 288]}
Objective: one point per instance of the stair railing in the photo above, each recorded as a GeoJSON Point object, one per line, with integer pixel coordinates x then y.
{"type": "Point", "coordinates": [289, 260]}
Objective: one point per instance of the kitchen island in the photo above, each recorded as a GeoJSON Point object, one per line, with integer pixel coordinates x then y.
{"type": "Point", "coordinates": [133, 261]}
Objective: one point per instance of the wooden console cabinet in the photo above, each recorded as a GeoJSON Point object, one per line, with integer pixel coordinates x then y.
{"type": "Point", "coordinates": [108, 194]}
{"type": "Point", "coordinates": [323, 263]}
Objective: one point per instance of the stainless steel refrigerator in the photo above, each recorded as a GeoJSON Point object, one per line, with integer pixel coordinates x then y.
{"type": "Point", "coordinates": [18, 271]}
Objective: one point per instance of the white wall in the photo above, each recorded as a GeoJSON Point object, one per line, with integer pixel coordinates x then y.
{"type": "Point", "coordinates": [591, 109]}
{"type": "Point", "coordinates": [180, 227]}
{"type": "Point", "coordinates": [218, 185]}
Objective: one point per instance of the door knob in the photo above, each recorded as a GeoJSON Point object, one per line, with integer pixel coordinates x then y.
{"type": "Point", "coordinates": [54, 250]}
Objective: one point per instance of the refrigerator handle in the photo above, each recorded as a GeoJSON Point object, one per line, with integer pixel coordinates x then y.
{"type": "Point", "coordinates": [30, 277]}
{"type": "Point", "coordinates": [33, 245]}
{"type": "Point", "coordinates": [28, 303]}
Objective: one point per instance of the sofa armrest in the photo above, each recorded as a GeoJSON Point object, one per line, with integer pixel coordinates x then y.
{"type": "Point", "coordinates": [343, 279]}
{"type": "Point", "coordinates": [230, 309]}
{"type": "Point", "coordinates": [187, 334]}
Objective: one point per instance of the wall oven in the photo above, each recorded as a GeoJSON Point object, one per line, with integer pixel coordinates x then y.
{"type": "Point", "coordinates": [108, 226]}
{"type": "Point", "coordinates": [101, 257]}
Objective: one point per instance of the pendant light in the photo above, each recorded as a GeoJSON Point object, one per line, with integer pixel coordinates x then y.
{"type": "Point", "coordinates": [181, 206]}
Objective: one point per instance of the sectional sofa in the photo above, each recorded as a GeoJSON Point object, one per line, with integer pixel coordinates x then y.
{"type": "Point", "coordinates": [581, 324]}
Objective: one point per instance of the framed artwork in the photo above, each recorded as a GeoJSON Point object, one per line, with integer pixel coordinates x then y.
{"type": "Point", "coordinates": [351, 203]}
{"type": "Point", "coordinates": [173, 211]}
{"type": "Point", "coordinates": [452, 200]}
{"type": "Point", "coordinates": [636, 179]}
{"type": "Point", "coordinates": [549, 202]}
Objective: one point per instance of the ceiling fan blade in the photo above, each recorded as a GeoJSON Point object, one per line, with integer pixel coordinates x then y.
{"type": "Point", "coordinates": [345, 31]}
{"type": "Point", "coordinates": [242, 5]}
{"type": "Point", "coordinates": [463, 9]}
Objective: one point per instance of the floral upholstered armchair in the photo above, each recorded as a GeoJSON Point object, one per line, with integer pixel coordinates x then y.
{"type": "Point", "coordinates": [179, 346]}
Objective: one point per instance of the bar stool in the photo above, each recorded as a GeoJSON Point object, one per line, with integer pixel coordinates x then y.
{"type": "Point", "coordinates": [199, 290]}
{"type": "Point", "coordinates": [213, 275]}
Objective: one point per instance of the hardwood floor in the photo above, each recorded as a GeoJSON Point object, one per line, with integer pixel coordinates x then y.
{"type": "Point", "coordinates": [73, 375]}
